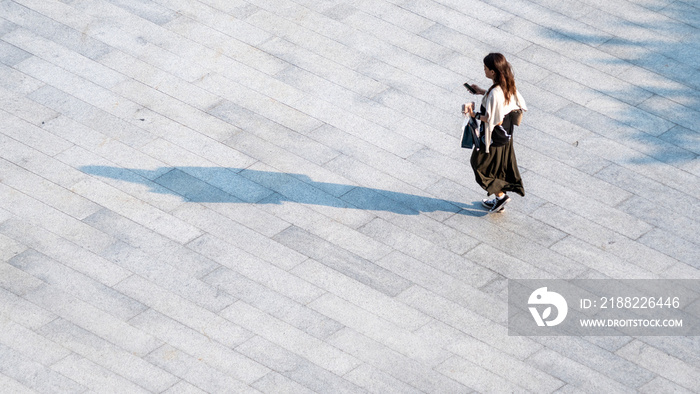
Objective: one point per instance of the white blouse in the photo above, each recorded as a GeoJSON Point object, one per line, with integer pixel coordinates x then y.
{"type": "Point", "coordinates": [497, 109]}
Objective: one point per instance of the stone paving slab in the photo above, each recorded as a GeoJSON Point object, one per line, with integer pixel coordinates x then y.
{"type": "Point", "coordinates": [237, 196]}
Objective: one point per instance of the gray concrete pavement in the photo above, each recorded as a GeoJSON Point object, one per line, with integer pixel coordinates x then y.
{"type": "Point", "coordinates": [269, 196]}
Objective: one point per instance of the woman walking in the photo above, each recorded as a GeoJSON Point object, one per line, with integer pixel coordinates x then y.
{"type": "Point", "coordinates": [494, 164]}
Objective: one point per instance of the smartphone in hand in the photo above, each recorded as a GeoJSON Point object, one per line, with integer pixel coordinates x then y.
{"type": "Point", "coordinates": [469, 88]}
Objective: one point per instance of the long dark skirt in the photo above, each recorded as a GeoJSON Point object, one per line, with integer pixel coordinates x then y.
{"type": "Point", "coordinates": [497, 170]}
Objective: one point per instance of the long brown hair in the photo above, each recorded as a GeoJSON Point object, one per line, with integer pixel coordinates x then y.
{"type": "Point", "coordinates": [504, 75]}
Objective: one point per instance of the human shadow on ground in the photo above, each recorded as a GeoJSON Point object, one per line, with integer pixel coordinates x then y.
{"type": "Point", "coordinates": [237, 185]}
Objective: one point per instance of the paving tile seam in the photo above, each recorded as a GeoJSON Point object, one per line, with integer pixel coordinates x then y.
{"type": "Point", "coordinates": [352, 48]}
{"type": "Point", "coordinates": [30, 198]}
{"type": "Point", "coordinates": [54, 368]}
{"type": "Point", "coordinates": [616, 207]}
{"type": "Point", "coordinates": [621, 123]}
{"type": "Point", "coordinates": [68, 349]}
{"type": "Point", "coordinates": [602, 368]}
{"type": "Point", "coordinates": [449, 252]}
{"type": "Point", "coordinates": [208, 137]}
{"type": "Point", "coordinates": [617, 77]}
{"type": "Point", "coordinates": [183, 348]}
{"type": "Point", "coordinates": [388, 369]}
{"type": "Point", "coordinates": [331, 38]}
{"type": "Point", "coordinates": [59, 186]}
{"type": "Point", "coordinates": [367, 311]}
{"type": "Point", "coordinates": [95, 253]}
{"type": "Point", "coordinates": [156, 306]}
{"type": "Point", "coordinates": [505, 250]}
{"type": "Point", "coordinates": [594, 88]}
{"type": "Point", "coordinates": [35, 370]}
{"type": "Point", "coordinates": [506, 373]}
{"type": "Point", "coordinates": [615, 141]}
{"type": "Point", "coordinates": [295, 348]}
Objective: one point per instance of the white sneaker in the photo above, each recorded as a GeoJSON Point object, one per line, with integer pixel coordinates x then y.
{"type": "Point", "coordinates": [488, 204]}
{"type": "Point", "coordinates": [500, 204]}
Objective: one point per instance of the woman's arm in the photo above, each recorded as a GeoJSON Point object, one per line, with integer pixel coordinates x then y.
{"type": "Point", "coordinates": [469, 109]}
{"type": "Point", "coordinates": [478, 89]}
{"type": "Point", "coordinates": [481, 117]}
